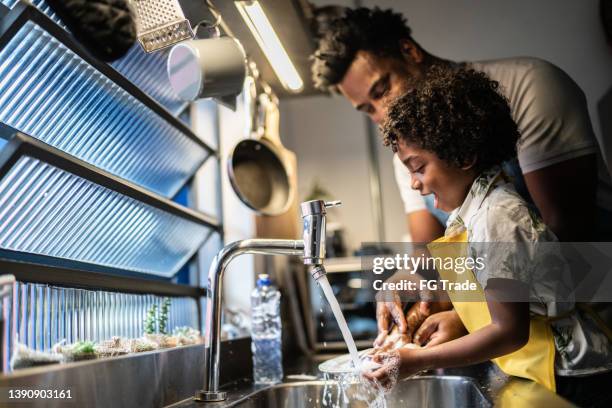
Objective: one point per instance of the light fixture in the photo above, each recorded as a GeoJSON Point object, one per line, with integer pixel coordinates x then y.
{"type": "Point", "coordinates": [268, 41]}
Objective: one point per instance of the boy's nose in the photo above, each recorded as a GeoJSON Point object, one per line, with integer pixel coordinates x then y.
{"type": "Point", "coordinates": [416, 184]}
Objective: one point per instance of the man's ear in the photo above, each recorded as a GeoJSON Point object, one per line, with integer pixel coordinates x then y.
{"type": "Point", "coordinates": [411, 50]}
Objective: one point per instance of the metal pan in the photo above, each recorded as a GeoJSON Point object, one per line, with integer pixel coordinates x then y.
{"type": "Point", "coordinates": [257, 170]}
{"type": "Point", "coordinates": [259, 177]}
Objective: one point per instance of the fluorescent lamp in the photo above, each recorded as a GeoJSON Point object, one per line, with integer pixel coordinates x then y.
{"type": "Point", "coordinates": [268, 41]}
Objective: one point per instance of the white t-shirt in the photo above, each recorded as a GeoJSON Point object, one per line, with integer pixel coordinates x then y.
{"type": "Point", "coordinates": [550, 110]}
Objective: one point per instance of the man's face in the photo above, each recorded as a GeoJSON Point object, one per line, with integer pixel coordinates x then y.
{"type": "Point", "coordinates": [431, 175]}
{"type": "Point", "coordinates": [372, 82]}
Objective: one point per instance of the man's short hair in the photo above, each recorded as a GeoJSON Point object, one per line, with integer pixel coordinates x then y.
{"type": "Point", "coordinates": [362, 29]}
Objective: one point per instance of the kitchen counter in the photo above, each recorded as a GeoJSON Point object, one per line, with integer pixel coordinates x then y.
{"type": "Point", "coordinates": [498, 388]}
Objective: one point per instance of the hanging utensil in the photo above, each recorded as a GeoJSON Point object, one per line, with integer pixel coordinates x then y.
{"type": "Point", "coordinates": [209, 66]}
{"type": "Point", "coordinates": [258, 172]}
{"type": "Point", "coordinates": [212, 67]}
{"type": "Point", "coordinates": [160, 24]}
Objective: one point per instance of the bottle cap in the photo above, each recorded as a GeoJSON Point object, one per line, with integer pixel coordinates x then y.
{"type": "Point", "coordinates": [263, 280]}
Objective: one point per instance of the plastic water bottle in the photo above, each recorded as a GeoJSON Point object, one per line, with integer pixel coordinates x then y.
{"type": "Point", "coordinates": [266, 333]}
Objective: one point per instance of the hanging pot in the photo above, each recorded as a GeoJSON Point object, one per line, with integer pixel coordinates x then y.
{"type": "Point", "coordinates": [257, 166]}
{"type": "Point", "coordinates": [210, 67]}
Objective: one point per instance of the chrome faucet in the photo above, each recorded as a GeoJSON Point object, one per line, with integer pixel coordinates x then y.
{"type": "Point", "coordinates": [313, 221]}
{"type": "Point", "coordinates": [312, 250]}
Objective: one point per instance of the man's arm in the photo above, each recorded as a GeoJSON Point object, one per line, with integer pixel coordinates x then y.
{"type": "Point", "coordinates": [557, 150]}
{"type": "Point", "coordinates": [423, 226]}
{"type": "Point", "coordinates": [565, 195]}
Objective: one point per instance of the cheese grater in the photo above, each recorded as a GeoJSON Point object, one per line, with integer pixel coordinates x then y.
{"type": "Point", "coordinates": [160, 24]}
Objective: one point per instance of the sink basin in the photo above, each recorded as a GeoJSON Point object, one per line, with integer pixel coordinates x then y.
{"type": "Point", "coordinates": [433, 391]}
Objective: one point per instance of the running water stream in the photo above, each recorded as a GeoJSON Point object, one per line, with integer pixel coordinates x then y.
{"type": "Point", "coordinates": [350, 386]}
{"type": "Point", "coordinates": [346, 334]}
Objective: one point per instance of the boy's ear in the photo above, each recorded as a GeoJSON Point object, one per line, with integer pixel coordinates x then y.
{"type": "Point", "coordinates": [411, 51]}
{"type": "Point", "coordinates": [469, 165]}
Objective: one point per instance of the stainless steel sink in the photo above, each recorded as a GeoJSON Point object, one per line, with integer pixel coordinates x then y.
{"type": "Point", "coordinates": [434, 391]}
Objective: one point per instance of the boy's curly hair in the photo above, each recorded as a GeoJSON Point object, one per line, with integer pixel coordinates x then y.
{"type": "Point", "coordinates": [459, 115]}
{"type": "Point", "coordinates": [362, 29]}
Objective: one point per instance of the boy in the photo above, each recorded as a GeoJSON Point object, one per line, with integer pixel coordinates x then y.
{"type": "Point", "coordinates": [452, 133]}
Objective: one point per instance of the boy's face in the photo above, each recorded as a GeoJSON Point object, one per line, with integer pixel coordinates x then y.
{"type": "Point", "coordinates": [372, 82]}
{"type": "Point", "coordinates": [431, 175]}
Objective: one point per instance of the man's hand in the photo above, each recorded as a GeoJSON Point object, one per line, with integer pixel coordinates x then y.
{"type": "Point", "coordinates": [393, 341]}
{"type": "Point", "coordinates": [389, 307]}
{"type": "Point", "coordinates": [440, 328]}
{"type": "Point", "coordinates": [387, 313]}
{"type": "Point", "coordinates": [418, 313]}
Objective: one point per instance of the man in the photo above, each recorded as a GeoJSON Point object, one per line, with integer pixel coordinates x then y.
{"type": "Point", "coordinates": [370, 57]}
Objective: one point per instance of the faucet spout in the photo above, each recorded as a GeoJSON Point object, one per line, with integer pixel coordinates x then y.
{"type": "Point", "coordinates": [212, 333]}
{"type": "Point", "coordinates": [312, 251]}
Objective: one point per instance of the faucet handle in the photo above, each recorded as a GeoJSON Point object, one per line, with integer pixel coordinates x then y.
{"type": "Point", "coordinates": [330, 204]}
{"type": "Point", "coordinates": [317, 207]}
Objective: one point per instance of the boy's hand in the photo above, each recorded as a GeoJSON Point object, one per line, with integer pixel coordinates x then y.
{"type": "Point", "coordinates": [388, 374]}
{"type": "Point", "coordinates": [396, 364]}
{"type": "Point", "coordinates": [440, 328]}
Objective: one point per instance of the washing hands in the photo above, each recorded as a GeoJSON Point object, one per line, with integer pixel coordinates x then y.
{"type": "Point", "coordinates": [397, 349]}
{"type": "Point", "coordinates": [390, 312]}
{"type": "Point", "coordinates": [425, 324]}
{"type": "Point", "coordinates": [397, 353]}
{"type": "Point", "coordinates": [389, 362]}
{"type": "Point", "coordinates": [393, 341]}
{"type": "Point", "coordinates": [393, 365]}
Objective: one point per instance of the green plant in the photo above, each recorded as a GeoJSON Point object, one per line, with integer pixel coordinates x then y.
{"type": "Point", "coordinates": [150, 320]}
{"type": "Point", "coordinates": [163, 316]}
{"type": "Point", "coordinates": [157, 324]}
{"type": "Point", "coordinates": [83, 347]}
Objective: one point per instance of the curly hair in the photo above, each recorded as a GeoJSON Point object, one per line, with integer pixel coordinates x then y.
{"type": "Point", "coordinates": [362, 29]}
{"type": "Point", "coordinates": [459, 115]}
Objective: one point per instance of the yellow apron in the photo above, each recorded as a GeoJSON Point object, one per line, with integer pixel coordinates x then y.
{"type": "Point", "coordinates": [535, 360]}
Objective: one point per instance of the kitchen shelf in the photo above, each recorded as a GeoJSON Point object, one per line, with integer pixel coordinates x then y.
{"type": "Point", "coordinates": [50, 271]}
{"type": "Point", "coordinates": [52, 89]}
{"type": "Point", "coordinates": [77, 305]}
{"type": "Point", "coordinates": [146, 71]}
{"type": "Point", "coordinates": [55, 205]}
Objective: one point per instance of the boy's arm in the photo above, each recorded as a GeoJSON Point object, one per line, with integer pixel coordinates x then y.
{"type": "Point", "coordinates": [508, 332]}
